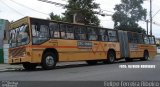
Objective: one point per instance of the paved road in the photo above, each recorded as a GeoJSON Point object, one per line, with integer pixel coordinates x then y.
{"type": "Point", "coordinates": [83, 72]}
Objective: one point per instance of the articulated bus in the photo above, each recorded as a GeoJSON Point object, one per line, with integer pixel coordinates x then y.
{"type": "Point", "coordinates": [35, 41]}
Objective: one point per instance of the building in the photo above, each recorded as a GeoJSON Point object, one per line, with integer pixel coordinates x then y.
{"type": "Point", "coordinates": [4, 26]}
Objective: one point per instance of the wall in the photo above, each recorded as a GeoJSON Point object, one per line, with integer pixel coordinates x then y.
{"type": "Point", "coordinates": [4, 24]}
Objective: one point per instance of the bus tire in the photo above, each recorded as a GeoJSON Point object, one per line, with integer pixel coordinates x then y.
{"type": "Point", "coordinates": [91, 62]}
{"type": "Point", "coordinates": [111, 57]}
{"type": "Point", "coordinates": [48, 61]}
{"type": "Point", "coordinates": [145, 56]}
{"type": "Point", "coordinates": [29, 66]}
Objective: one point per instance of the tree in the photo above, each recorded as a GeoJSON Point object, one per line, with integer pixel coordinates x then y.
{"type": "Point", "coordinates": [84, 10]}
{"type": "Point", "coordinates": [128, 14]}
{"type": "Point", "coordinates": [55, 17]}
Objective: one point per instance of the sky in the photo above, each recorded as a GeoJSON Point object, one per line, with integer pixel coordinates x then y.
{"type": "Point", "coordinates": [13, 10]}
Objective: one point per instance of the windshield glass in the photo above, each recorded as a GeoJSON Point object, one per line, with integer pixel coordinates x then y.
{"type": "Point", "coordinates": [19, 36]}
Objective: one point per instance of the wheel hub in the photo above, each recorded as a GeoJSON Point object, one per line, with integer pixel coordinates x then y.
{"type": "Point", "coordinates": [49, 60]}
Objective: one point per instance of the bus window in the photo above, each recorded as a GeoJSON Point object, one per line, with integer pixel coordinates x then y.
{"type": "Point", "coordinates": [92, 34]}
{"type": "Point", "coordinates": [40, 33]}
{"type": "Point", "coordinates": [54, 30]}
{"type": "Point", "coordinates": [44, 31]}
{"type": "Point", "coordinates": [13, 38]}
{"type": "Point", "coordinates": [129, 37]}
{"type": "Point", "coordinates": [80, 32]}
{"type": "Point", "coordinates": [146, 40]}
{"type": "Point", "coordinates": [70, 32]}
{"type": "Point", "coordinates": [112, 35]}
{"type": "Point", "coordinates": [19, 36]}
{"type": "Point", "coordinates": [133, 37]}
{"type": "Point", "coordinates": [63, 31]}
{"type": "Point", "coordinates": [23, 35]}
{"type": "Point", "coordinates": [140, 39]}
{"type": "Point", "coordinates": [103, 35]}
{"type": "Point", "coordinates": [151, 40]}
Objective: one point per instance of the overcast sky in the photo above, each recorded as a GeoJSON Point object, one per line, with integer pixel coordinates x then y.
{"type": "Point", "coordinates": [10, 10]}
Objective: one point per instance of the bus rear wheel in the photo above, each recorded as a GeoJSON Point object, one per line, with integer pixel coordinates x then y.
{"type": "Point", "coordinates": [145, 56]}
{"type": "Point", "coordinates": [48, 61]}
{"type": "Point", "coordinates": [111, 57]}
{"type": "Point", "coordinates": [29, 66]}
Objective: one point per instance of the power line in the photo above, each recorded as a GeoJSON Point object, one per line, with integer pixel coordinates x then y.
{"type": "Point", "coordinates": [12, 8]}
{"type": "Point", "coordinates": [64, 0]}
{"type": "Point", "coordinates": [106, 11]}
{"type": "Point", "coordinates": [63, 5]}
{"type": "Point", "coordinates": [156, 13]}
{"type": "Point", "coordinates": [158, 24]}
{"type": "Point", "coordinates": [51, 2]}
{"type": "Point", "coordinates": [155, 23]}
{"type": "Point", "coordinates": [28, 7]}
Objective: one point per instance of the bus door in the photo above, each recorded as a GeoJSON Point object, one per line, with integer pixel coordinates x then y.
{"type": "Point", "coordinates": [123, 39]}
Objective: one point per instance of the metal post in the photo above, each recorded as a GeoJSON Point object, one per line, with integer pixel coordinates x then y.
{"type": "Point", "coordinates": [147, 26]}
{"type": "Point", "coordinates": [150, 17]}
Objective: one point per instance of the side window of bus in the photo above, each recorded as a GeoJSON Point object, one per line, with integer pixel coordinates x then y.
{"type": "Point", "coordinates": [103, 35]}
{"type": "Point", "coordinates": [44, 31]}
{"type": "Point", "coordinates": [133, 37]}
{"type": "Point", "coordinates": [35, 33]}
{"type": "Point", "coordinates": [146, 40]}
{"type": "Point", "coordinates": [151, 40]}
{"type": "Point", "coordinates": [40, 33]}
{"type": "Point", "coordinates": [80, 33]}
{"type": "Point", "coordinates": [112, 35]}
{"type": "Point", "coordinates": [129, 37]}
{"type": "Point", "coordinates": [63, 31]}
{"type": "Point", "coordinates": [70, 32]}
{"type": "Point", "coordinates": [92, 33]}
{"type": "Point", "coordinates": [140, 39]}
{"type": "Point", "coordinates": [54, 30]}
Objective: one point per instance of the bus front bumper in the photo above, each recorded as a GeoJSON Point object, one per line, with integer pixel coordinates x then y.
{"type": "Point", "coordinates": [19, 60]}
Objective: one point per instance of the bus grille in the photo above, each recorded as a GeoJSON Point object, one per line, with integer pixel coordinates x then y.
{"type": "Point", "coordinates": [17, 52]}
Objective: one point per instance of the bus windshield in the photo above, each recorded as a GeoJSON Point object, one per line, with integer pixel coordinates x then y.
{"type": "Point", "coordinates": [19, 36]}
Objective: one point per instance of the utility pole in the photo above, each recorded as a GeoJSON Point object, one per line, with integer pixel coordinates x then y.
{"type": "Point", "coordinates": [150, 17]}
{"type": "Point", "coordinates": [147, 26]}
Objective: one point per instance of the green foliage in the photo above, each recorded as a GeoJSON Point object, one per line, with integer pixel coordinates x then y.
{"type": "Point", "coordinates": [85, 9]}
{"type": "Point", "coordinates": [55, 17]}
{"type": "Point", "coordinates": [128, 14]}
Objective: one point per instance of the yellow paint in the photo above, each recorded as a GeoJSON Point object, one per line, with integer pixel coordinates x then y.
{"type": "Point", "coordinates": [69, 51]}
{"type": "Point", "coordinates": [139, 52]}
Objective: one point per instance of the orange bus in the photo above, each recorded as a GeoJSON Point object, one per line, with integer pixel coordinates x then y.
{"type": "Point", "coordinates": [35, 41]}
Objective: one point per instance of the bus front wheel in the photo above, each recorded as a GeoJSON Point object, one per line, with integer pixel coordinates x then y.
{"type": "Point", "coordinates": [48, 61]}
